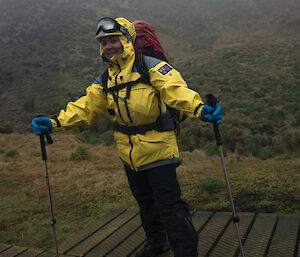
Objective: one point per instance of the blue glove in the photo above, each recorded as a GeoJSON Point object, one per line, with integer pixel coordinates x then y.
{"type": "Point", "coordinates": [42, 125]}
{"type": "Point", "coordinates": [211, 114]}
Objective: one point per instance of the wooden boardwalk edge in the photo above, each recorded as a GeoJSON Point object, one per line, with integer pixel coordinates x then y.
{"type": "Point", "coordinates": [119, 234]}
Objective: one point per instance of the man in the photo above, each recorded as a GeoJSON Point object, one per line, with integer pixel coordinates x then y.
{"type": "Point", "coordinates": [144, 133]}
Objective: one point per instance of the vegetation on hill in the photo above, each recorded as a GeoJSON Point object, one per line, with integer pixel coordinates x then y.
{"type": "Point", "coordinates": [245, 52]}
{"type": "Point", "coordinates": [258, 86]}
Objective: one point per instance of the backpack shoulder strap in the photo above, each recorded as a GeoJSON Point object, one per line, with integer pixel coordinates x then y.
{"type": "Point", "coordinates": [141, 67]}
{"type": "Point", "coordinates": [104, 79]}
{"type": "Point", "coordinates": [144, 63]}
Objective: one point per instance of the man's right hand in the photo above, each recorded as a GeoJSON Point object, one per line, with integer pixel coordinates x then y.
{"type": "Point", "coordinates": [42, 125]}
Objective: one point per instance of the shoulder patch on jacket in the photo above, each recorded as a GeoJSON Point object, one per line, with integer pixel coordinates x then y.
{"type": "Point", "coordinates": [165, 69]}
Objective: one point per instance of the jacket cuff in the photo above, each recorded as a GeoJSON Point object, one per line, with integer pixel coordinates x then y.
{"type": "Point", "coordinates": [55, 124]}
{"type": "Point", "coordinates": [197, 111]}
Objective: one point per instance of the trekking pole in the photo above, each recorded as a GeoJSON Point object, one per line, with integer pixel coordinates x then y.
{"type": "Point", "coordinates": [44, 157]}
{"type": "Point", "coordinates": [212, 101]}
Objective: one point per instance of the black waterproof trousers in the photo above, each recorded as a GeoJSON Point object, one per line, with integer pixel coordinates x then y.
{"type": "Point", "coordinates": [162, 210]}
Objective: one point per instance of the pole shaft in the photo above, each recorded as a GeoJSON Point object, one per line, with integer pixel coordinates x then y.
{"type": "Point", "coordinates": [53, 221]}
{"type": "Point", "coordinates": [44, 157]}
{"type": "Point", "coordinates": [212, 101]}
{"type": "Point", "coordinates": [227, 181]}
{"type": "Point", "coordinates": [49, 192]}
{"type": "Point", "coordinates": [239, 239]}
{"type": "Point", "coordinates": [234, 216]}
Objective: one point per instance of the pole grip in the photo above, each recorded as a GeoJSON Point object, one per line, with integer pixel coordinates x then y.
{"type": "Point", "coordinates": [42, 140]}
{"type": "Point", "coordinates": [43, 147]}
{"type": "Point", "coordinates": [212, 101]}
{"type": "Point", "coordinates": [217, 134]}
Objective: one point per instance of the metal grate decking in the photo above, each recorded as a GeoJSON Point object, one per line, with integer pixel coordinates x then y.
{"type": "Point", "coordinates": [119, 234]}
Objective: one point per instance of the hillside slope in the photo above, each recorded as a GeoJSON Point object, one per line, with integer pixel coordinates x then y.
{"type": "Point", "coordinates": [244, 51]}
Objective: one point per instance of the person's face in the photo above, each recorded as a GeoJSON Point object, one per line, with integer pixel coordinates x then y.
{"type": "Point", "coordinates": [111, 46]}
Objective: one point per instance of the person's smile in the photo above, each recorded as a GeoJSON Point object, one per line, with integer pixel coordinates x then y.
{"type": "Point", "coordinates": [111, 46]}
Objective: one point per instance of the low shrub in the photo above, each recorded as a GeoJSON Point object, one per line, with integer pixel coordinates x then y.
{"type": "Point", "coordinates": [88, 137]}
{"type": "Point", "coordinates": [81, 153]}
{"type": "Point", "coordinates": [211, 149]}
{"type": "Point", "coordinates": [265, 153]}
{"type": "Point", "coordinates": [12, 153]}
{"type": "Point", "coordinates": [107, 138]}
{"type": "Point", "coordinates": [211, 185]}
{"type": "Point", "coordinates": [6, 127]}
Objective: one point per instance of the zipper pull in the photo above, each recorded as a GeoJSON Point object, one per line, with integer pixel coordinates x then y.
{"type": "Point", "coordinates": [124, 99]}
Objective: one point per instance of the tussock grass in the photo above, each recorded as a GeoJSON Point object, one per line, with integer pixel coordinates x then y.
{"type": "Point", "coordinates": [84, 190]}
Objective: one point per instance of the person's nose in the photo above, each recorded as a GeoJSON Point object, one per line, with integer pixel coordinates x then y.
{"type": "Point", "coordinates": [107, 46]}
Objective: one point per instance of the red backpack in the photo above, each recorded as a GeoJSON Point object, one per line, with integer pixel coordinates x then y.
{"type": "Point", "coordinates": [146, 41]}
{"type": "Point", "coordinates": [147, 44]}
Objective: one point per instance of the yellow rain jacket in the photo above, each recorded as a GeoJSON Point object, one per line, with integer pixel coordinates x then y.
{"type": "Point", "coordinates": [144, 105]}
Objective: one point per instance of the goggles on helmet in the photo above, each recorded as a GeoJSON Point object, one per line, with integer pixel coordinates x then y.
{"type": "Point", "coordinates": [108, 25]}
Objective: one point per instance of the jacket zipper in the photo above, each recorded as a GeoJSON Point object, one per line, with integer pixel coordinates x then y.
{"type": "Point", "coordinates": [130, 152]}
{"type": "Point", "coordinates": [116, 97]}
{"type": "Point", "coordinates": [117, 102]}
{"type": "Point", "coordinates": [127, 109]}
{"type": "Point", "coordinates": [124, 99]}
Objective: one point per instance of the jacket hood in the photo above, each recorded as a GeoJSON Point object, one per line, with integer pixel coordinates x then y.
{"type": "Point", "coordinates": [128, 49]}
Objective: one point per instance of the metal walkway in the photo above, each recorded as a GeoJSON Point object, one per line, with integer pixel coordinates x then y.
{"type": "Point", "coordinates": [119, 234]}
